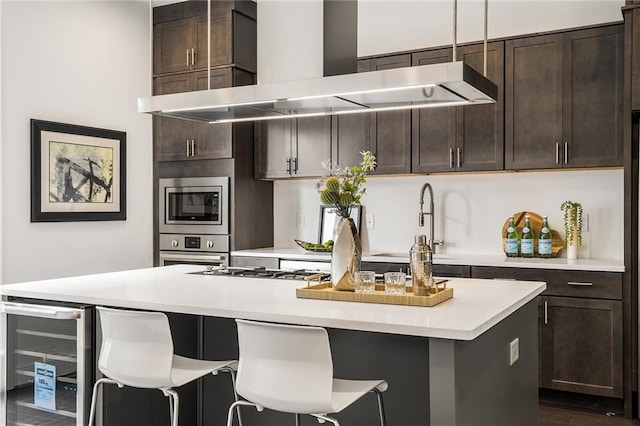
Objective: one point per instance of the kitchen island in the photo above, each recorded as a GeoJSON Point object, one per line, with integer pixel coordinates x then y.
{"type": "Point", "coordinates": [446, 365]}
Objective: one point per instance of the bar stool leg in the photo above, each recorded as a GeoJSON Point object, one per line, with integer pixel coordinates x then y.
{"type": "Point", "coordinates": [173, 395]}
{"type": "Point", "coordinates": [383, 419]}
{"type": "Point", "coordinates": [297, 419]}
{"type": "Point", "coordinates": [94, 397]}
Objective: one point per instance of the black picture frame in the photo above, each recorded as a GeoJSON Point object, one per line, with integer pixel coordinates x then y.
{"type": "Point", "coordinates": [328, 218]}
{"type": "Point", "coordinates": [78, 173]}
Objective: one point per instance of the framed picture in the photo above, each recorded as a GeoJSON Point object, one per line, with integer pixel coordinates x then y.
{"type": "Point", "coordinates": [77, 173]}
{"type": "Point", "coordinates": [328, 219]}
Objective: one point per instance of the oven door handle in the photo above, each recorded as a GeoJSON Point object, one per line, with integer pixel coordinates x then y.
{"type": "Point", "coordinates": [53, 312]}
{"type": "Point", "coordinates": [191, 257]}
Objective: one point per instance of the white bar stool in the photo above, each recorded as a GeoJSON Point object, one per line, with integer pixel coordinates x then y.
{"type": "Point", "coordinates": [289, 368]}
{"type": "Point", "coordinates": [137, 351]}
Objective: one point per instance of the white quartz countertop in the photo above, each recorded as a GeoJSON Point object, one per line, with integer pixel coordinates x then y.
{"type": "Point", "coordinates": [477, 305]}
{"type": "Point", "coordinates": [604, 265]}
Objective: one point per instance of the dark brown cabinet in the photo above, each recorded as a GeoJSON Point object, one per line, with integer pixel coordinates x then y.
{"type": "Point", "coordinates": [180, 36]}
{"type": "Point", "coordinates": [635, 59]}
{"type": "Point", "coordinates": [186, 140]}
{"type": "Point", "coordinates": [582, 345]}
{"type": "Point", "coordinates": [581, 334]}
{"type": "Point", "coordinates": [292, 147]}
{"type": "Point", "coordinates": [564, 100]}
{"type": "Point", "coordinates": [386, 134]}
{"type": "Point", "coordinates": [469, 138]}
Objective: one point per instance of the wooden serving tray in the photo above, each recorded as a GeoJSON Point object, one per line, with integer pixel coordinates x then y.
{"type": "Point", "coordinates": [325, 291]}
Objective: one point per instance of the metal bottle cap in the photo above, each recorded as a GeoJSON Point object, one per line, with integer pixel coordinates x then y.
{"type": "Point", "coordinates": [421, 239]}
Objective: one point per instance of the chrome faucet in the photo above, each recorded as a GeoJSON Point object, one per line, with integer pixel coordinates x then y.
{"type": "Point", "coordinates": [432, 241]}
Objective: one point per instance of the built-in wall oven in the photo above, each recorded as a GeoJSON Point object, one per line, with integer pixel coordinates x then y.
{"type": "Point", "coordinates": [193, 221]}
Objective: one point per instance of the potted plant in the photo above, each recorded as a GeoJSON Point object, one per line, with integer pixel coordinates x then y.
{"type": "Point", "coordinates": [342, 188]}
{"type": "Point", "coordinates": [572, 212]}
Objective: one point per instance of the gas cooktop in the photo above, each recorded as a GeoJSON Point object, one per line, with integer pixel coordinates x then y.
{"type": "Point", "coordinates": [262, 272]}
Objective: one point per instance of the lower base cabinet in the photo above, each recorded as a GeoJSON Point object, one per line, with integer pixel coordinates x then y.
{"type": "Point", "coordinates": [582, 345]}
{"type": "Point", "coordinates": [580, 335]}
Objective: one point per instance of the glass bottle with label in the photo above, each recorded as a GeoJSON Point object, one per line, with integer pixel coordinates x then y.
{"type": "Point", "coordinates": [545, 241]}
{"type": "Point", "coordinates": [526, 243]}
{"type": "Point", "coordinates": [511, 239]}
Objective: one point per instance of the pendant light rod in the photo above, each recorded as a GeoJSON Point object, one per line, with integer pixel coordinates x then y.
{"type": "Point", "coordinates": [486, 20]}
{"type": "Point", "coordinates": [209, 46]}
{"type": "Point", "coordinates": [455, 29]}
{"type": "Point", "coordinates": [151, 46]}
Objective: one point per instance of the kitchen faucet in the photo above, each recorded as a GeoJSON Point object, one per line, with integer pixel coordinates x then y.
{"type": "Point", "coordinates": [432, 241]}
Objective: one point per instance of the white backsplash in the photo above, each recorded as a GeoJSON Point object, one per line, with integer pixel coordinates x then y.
{"type": "Point", "coordinates": [470, 209]}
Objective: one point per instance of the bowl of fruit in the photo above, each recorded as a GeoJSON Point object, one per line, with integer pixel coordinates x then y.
{"type": "Point", "coordinates": [325, 247]}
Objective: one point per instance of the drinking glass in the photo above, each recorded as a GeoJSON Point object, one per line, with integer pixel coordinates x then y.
{"type": "Point", "coordinates": [395, 283]}
{"type": "Point", "coordinates": [365, 282]}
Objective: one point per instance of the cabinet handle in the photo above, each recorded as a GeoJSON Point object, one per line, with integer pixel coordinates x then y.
{"type": "Point", "coordinates": [193, 147]}
{"type": "Point", "coordinates": [566, 152]}
{"type": "Point", "coordinates": [188, 61]}
{"type": "Point", "coordinates": [193, 56]}
{"type": "Point", "coordinates": [187, 147]}
{"type": "Point", "coordinates": [289, 165]}
{"type": "Point", "coordinates": [580, 284]}
{"type": "Point", "coordinates": [546, 313]}
{"type": "Point", "coordinates": [557, 153]}
{"type": "Point", "coordinates": [451, 158]}
{"type": "Point", "coordinates": [295, 165]}
{"type": "Point", "coordinates": [459, 158]}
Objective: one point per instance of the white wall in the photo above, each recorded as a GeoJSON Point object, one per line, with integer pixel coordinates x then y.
{"type": "Point", "coordinates": [81, 63]}
{"type": "Point", "coordinates": [470, 209]}
{"type": "Point", "coordinates": [392, 26]}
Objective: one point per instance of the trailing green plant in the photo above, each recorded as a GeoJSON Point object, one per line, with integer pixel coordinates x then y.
{"type": "Point", "coordinates": [343, 187]}
{"type": "Point", "coordinates": [572, 212]}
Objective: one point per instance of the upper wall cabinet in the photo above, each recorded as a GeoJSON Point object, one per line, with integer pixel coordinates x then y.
{"type": "Point", "coordinates": [466, 138]}
{"type": "Point", "coordinates": [187, 140]}
{"type": "Point", "coordinates": [292, 147]}
{"type": "Point", "coordinates": [386, 134]}
{"type": "Point", "coordinates": [564, 100]}
{"type": "Point", "coordinates": [180, 36]}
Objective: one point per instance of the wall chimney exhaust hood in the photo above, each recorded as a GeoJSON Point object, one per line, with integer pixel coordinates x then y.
{"type": "Point", "coordinates": [438, 85]}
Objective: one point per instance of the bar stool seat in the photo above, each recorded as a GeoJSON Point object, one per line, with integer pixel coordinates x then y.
{"type": "Point", "coordinates": [289, 368]}
{"type": "Point", "coordinates": [137, 351]}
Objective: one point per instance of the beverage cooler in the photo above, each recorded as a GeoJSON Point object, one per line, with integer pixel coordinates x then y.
{"type": "Point", "coordinates": [46, 372]}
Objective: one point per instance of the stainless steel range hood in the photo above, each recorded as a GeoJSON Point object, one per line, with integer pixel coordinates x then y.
{"type": "Point", "coordinates": [447, 84]}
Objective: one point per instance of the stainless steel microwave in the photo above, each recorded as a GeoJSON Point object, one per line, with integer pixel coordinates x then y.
{"type": "Point", "coordinates": [194, 205]}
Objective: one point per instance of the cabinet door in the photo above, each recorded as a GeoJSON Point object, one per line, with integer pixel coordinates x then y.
{"type": "Point", "coordinates": [533, 102]}
{"type": "Point", "coordinates": [592, 93]}
{"type": "Point", "coordinates": [391, 130]}
{"type": "Point", "coordinates": [635, 60]}
{"type": "Point", "coordinates": [351, 133]}
{"type": "Point", "coordinates": [480, 128]}
{"type": "Point", "coordinates": [459, 271]}
{"type": "Point", "coordinates": [433, 133]}
{"type": "Point", "coordinates": [172, 43]}
{"type": "Point", "coordinates": [312, 144]}
{"type": "Point", "coordinates": [172, 137]}
{"type": "Point", "coordinates": [221, 42]}
{"type": "Point", "coordinates": [273, 148]}
{"type": "Point", "coordinates": [582, 345]}
{"type": "Point", "coordinates": [213, 140]}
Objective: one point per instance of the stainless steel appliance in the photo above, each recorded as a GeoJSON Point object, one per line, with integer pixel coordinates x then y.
{"type": "Point", "coordinates": [194, 205]}
{"type": "Point", "coordinates": [47, 368]}
{"type": "Point", "coordinates": [193, 249]}
{"type": "Point", "coordinates": [194, 221]}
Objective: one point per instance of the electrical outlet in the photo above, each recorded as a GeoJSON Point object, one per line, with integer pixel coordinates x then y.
{"type": "Point", "coordinates": [371, 221]}
{"type": "Point", "coordinates": [514, 351]}
{"type": "Point", "coordinates": [300, 220]}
